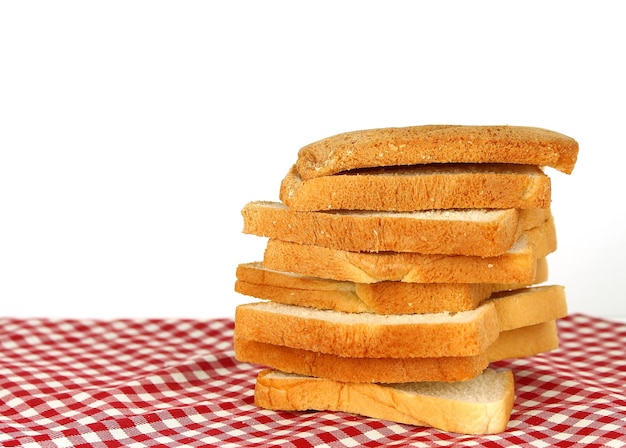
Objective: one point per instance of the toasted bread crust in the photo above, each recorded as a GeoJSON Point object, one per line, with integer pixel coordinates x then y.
{"type": "Point", "coordinates": [415, 145]}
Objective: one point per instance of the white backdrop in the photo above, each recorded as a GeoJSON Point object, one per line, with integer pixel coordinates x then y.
{"type": "Point", "coordinates": [133, 132]}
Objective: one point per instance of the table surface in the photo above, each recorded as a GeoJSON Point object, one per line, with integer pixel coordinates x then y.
{"type": "Point", "coordinates": [140, 383]}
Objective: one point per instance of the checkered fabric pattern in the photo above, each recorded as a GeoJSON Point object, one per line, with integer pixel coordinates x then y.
{"type": "Point", "coordinates": [149, 383]}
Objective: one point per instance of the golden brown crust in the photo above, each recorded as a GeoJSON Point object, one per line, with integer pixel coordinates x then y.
{"type": "Point", "coordinates": [461, 232]}
{"type": "Point", "coordinates": [515, 266]}
{"type": "Point", "coordinates": [437, 144]}
{"type": "Point", "coordinates": [424, 187]}
{"type": "Point", "coordinates": [517, 343]}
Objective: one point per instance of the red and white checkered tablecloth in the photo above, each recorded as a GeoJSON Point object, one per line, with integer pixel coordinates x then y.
{"type": "Point", "coordinates": [148, 383]}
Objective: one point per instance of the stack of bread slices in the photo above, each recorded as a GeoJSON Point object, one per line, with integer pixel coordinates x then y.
{"type": "Point", "coordinates": [401, 263]}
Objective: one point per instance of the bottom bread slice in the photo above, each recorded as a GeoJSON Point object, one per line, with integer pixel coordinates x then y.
{"type": "Point", "coordinates": [481, 405]}
{"type": "Point", "coordinates": [518, 343]}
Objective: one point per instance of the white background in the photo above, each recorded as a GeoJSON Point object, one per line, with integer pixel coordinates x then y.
{"type": "Point", "coordinates": [132, 133]}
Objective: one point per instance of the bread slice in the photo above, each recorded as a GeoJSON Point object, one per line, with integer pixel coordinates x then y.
{"type": "Point", "coordinates": [483, 233]}
{"type": "Point", "coordinates": [518, 343]}
{"type": "Point", "coordinates": [416, 145]}
{"type": "Point", "coordinates": [367, 335]}
{"type": "Point", "coordinates": [517, 265]}
{"type": "Point", "coordinates": [253, 279]}
{"type": "Point", "coordinates": [481, 405]}
{"type": "Point", "coordinates": [421, 187]}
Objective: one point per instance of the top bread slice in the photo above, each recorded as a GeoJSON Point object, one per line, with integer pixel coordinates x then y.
{"type": "Point", "coordinates": [482, 232]}
{"type": "Point", "coordinates": [415, 145]}
{"type": "Point", "coordinates": [420, 187]}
